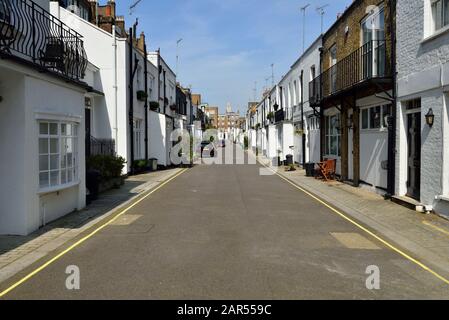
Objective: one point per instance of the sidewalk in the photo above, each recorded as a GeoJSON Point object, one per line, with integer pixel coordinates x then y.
{"type": "Point", "coordinates": [19, 252]}
{"type": "Point", "coordinates": [424, 237]}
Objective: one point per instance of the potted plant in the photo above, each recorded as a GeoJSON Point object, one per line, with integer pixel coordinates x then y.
{"type": "Point", "coordinates": [154, 106]}
{"type": "Point", "coordinates": [142, 95]}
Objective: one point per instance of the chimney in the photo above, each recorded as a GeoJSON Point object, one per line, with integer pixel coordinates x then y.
{"type": "Point", "coordinates": [141, 42]}
{"type": "Point", "coordinates": [111, 5]}
{"type": "Point", "coordinates": [120, 24]}
{"type": "Point", "coordinates": [93, 11]}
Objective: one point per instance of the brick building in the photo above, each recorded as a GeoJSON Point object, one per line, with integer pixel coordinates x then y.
{"type": "Point", "coordinates": [354, 94]}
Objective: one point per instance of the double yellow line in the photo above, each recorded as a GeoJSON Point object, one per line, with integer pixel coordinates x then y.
{"type": "Point", "coordinates": [358, 225]}
{"type": "Point", "coordinates": [90, 235]}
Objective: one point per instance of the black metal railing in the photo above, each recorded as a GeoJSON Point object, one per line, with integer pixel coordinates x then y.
{"type": "Point", "coordinates": [29, 32]}
{"type": "Point", "coordinates": [100, 147]}
{"type": "Point", "coordinates": [367, 62]}
{"type": "Point", "coordinates": [279, 116]}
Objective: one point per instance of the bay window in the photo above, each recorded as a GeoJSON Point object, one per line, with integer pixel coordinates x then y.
{"type": "Point", "coordinates": [58, 156]}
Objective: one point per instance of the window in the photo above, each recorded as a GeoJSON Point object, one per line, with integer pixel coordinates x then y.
{"type": "Point", "coordinates": [440, 13]}
{"type": "Point", "coordinates": [413, 104]}
{"type": "Point", "coordinates": [333, 73]}
{"type": "Point", "coordinates": [375, 117]}
{"type": "Point", "coordinates": [137, 139]}
{"type": "Point", "coordinates": [312, 73]}
{"type": "Point", "coordinates": [58, 156]}
{"type": "Point", "coordinates": [332, 132]}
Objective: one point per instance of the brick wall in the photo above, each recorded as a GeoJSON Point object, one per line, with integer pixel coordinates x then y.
{"type": "Point", "coordinates": [348, 43]}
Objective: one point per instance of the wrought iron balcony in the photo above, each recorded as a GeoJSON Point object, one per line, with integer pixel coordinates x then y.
{"type": "Point", "coordinates": [31, 34]}
{"type": "Point", "coordinates": [367, 63]}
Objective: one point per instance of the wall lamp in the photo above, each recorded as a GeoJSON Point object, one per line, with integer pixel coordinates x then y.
{"type": "Point", "coordinates": [430, 118]}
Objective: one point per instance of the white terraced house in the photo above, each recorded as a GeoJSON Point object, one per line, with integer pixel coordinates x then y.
{"type": "Point", "coordinates": [305, 119]}
{"type": "Point", "coordinates": [422, 140]}
{"type": "Point", "coordinates": [42, 97]}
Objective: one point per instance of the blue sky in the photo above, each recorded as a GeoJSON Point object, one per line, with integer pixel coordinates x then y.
{"type": "Point", "coordinates": [228, 45]}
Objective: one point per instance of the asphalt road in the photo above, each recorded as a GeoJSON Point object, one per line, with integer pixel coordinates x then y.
{"type": "Point", "coordinates": [226, 232]}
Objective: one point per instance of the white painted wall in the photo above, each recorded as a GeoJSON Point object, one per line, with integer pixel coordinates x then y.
{"type": "Point", "coordinates": [100, 52]}
{"type": "Point", "coordinates": [29, 96]}
{"type": "Point", "coordinates": [157, 132]}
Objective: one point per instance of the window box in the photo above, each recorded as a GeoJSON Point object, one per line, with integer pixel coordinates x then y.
{"type": "Point", "coordinates": [154, 105]}
{"type": "Point", "coordinates": [141, 95]}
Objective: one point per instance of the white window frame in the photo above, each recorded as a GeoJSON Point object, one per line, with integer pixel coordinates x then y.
{"type": "Point", "coordinates": [383, 126]}
{"type": "Point", "coordinates": [67, 172]}
{"type": "Point", "coordinates": [328, 133]}
{"type": "Point", "coordinates": [442, 6]}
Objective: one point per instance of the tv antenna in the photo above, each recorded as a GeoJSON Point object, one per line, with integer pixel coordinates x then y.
{"type": "Point", "coordinates": [303, 9]}
{"type": "Point", "coordinates": [322, 12]}
{"type": "Point", "coordinates": [133, 6]}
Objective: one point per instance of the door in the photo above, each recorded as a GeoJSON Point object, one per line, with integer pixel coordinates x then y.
{"type": "Point", "coordinates": [373, 41]}
{"type": "Point", "coordinates": [414, 155]}
{"type": "Point", "coordinates": [87, 113]}
{"type": "Point", "coordinates": [333, 73]}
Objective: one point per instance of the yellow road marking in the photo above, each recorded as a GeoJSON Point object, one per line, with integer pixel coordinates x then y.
{"type": "Point", "coordinates": [386, 243]}
{"type": "Point", "coordinates": [436, 228]}
{"type": "Point", "coordinates": [57, 257]}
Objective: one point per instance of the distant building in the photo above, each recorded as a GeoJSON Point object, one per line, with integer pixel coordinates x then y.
{"type": "Point", "coordinates": [227, 123]}
{"type": "Point", "coordinates": [212, 113]}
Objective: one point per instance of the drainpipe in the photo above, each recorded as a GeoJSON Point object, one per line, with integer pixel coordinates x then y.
{"type": "Point", "coordinates": [159, 70]}
{"type": "Point", "coordinates": [115, 87]}
{"type": "Point", "coordinates": [146, 99]}
{"type": "Point", "coordinates": [303, 136]}
{"type": "Point", "coordinates": [392, 120]}
{"type": "Point", "coordinates": [165, 91]}
{"type": "Point", "coordinates": [131, 99]}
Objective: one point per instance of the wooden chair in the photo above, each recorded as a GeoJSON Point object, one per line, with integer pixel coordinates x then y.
{"type": "Point", "coordinates": [327, 169]}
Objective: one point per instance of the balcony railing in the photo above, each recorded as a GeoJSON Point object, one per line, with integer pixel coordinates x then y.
{"type": "Point", "coordinates": [366, 63]}
{"type": "Point", "coordinates": [279, 116]}
{"type": "Point", "coordinates": [29, 32]}
{"type": "Point", "coordinates": [97, 147]}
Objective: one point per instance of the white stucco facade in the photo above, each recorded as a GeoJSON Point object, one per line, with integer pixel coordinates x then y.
{"type": "Point", "coordinates": [29, 99]}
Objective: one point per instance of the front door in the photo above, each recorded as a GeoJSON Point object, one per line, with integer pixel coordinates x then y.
{"type": "Point", "coordinates": [88, 117]}
{"type": "Point", "coordinates": [414, 155]}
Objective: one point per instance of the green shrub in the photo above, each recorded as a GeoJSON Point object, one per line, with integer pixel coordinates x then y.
{"type": "Point", "coordinates": [154, 105]}
{"type": "Point", "coordinates": [141, 164]}
{"type": "Point", "coordinates": [110, 167]}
